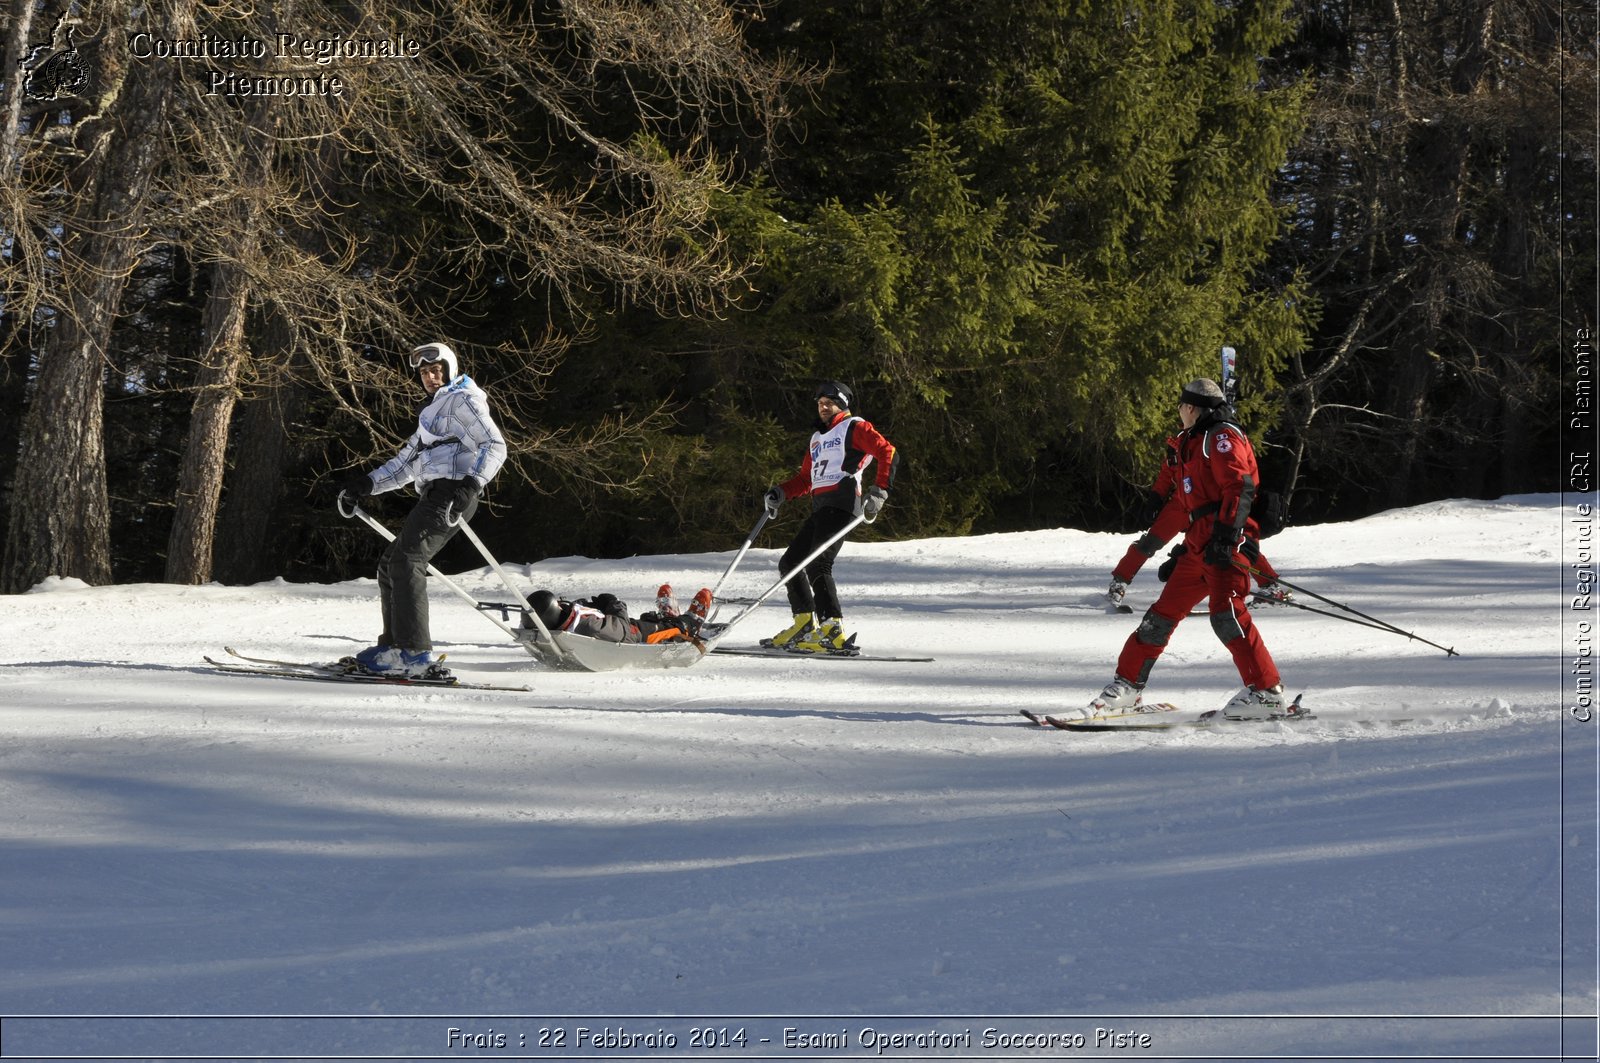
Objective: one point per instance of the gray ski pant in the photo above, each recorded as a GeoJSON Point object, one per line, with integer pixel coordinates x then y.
{"type": "Point", "coordinates": [403, 569]}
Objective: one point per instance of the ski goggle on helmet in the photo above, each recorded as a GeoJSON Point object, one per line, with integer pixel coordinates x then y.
{"type": "Point", "coordinates": [429, 353]}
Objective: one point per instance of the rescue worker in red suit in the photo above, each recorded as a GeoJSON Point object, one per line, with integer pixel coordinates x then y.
{"type": "Point", "coordinates": [1167, 517]}
{"type": "Point", "coordinates": [848, 469]}
{"type": "Point", "coordinates": [1217, 483]}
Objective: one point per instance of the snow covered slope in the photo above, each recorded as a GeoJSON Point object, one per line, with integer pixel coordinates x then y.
{"type": "Point", "coordinates": [828, 846]}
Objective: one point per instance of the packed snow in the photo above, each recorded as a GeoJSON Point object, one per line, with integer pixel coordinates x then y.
{"type": "Point", "coordinates": [814, 858]}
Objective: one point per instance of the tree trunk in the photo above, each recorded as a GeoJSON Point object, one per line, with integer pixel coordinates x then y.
{"type": "Point", "coordinates": [60, 515]}
{"type": "Point", "coordinates": [19, 35]}
{"type": "Point", "coordinates": [191, 542]}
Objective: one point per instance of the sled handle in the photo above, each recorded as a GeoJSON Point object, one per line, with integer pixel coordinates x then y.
{"type": "Point", "coordinates": [538, 621]}
{"type": "Point", "coordinates": [749, 541]}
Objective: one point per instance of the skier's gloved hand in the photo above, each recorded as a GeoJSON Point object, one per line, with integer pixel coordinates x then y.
{"type": "Point", "coordinates": [1164, 573]}
{"type": "Point", "coordinates": [355, 486]}
{"type": "Point", "coordinates": [772, 500]}
{"type": "Point", "coordinates": [611, 605]}
{"type": "Point", "coordinates": [1219, 551]}
{"type": "Point", "coordinates": [1153, 504]}
{"type": "Point", "coordinates": [1250, 550]}
{"type": "Point", "coordinates": [872, 500]}
{"type": "Point", "coordinates": [463, 493]}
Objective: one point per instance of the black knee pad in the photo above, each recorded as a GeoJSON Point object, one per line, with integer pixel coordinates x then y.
{"type": "Point", "coordinates": [1227, 627]}
{"type": "Point", "coordinates": [1155, 629]}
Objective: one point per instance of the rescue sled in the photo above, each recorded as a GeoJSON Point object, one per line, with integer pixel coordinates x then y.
{"type": "Point", "coordinates": [573, 652]}
{"type": "Point", "coordinates": [563, 649]}
{"type": "Point", "coordinates": [583, 653]}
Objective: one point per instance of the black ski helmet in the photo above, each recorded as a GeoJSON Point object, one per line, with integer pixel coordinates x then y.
{"type": "Point", "coordinates": [836, 391]}
{"type": "Point", "coordinates": [547, 607]}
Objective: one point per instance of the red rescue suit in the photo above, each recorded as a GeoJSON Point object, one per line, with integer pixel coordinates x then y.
{"type": "Point", "coordinates": [1217, 481]}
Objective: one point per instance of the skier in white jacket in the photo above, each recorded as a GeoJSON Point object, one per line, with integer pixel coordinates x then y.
{"type": "Point", "coordinates": [455, 451]}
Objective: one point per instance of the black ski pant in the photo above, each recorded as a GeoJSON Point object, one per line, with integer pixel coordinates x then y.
{"type": "Point", "coordinates": [813, 591]}
{"type": "Point", "coordinates": [403, 569]}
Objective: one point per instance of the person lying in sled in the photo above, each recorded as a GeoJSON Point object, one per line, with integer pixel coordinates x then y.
{"type": "Point", "coordinates": [605, 617]}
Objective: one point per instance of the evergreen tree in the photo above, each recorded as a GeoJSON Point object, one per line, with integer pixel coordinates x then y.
{"type": "Point", "coordinates": [1017, 229]}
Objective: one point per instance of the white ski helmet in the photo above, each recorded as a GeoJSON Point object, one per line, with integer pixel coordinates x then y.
{"type": "Point", "coordinates": [436, 352]}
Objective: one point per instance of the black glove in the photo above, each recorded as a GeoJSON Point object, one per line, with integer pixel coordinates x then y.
{"type": "Point", "coordinates": [463, 493]}
{"type": "Point", "coordinates": [611, 605]}
{"type": "Point", "coordinates": [1153, 505]}
{"type": "Point", "coordinates": [356, 485]}
{"type": "Point", "coordinates": [872, 500]}
{"type": "Point", "coordinates": [772, 500]}
{"type": "Point", "coordinates": [1250, 550]}
{"type": "Point", "coordinates": [1164, 573]}
{"type": "Point", "coordinates": [1219, 551]}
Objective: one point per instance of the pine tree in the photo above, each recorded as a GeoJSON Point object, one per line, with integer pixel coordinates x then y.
{"type": "Point", "coordinates": [1029, 224]}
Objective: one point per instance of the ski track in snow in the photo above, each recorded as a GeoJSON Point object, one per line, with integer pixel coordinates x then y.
{"type": "Point", "coordinates": [756, 837]}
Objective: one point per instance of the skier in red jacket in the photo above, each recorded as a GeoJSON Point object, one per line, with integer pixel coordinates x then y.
{"type": "Point", "coordinates": [1167, 519]}
{"type": "Point", "coordinates": [1217, 481]}
{"type": "Point", "coordinates": [849, 463]}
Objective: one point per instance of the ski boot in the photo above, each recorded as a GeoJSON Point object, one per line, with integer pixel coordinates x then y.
{"type": "Point", "coordinates": [827, 637]}
{"type": "Point", "coordinates": [1116, 698]}
{"type": "Point", "coordinates": [1254, 703]}
{"type": "Point", "coordinates": [399, 663]}
{"type": "Point", "coordinates": [1272, 594]}
{"type": "Point", "coordinates": [791, 634]}
{"type": "Point", "coordinates": [695, 617]}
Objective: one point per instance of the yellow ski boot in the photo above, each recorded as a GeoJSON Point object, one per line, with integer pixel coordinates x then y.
{"type": "Point", "coordinates": [827, 637]}
{"type": "Point", "coordinates": [793, 633]}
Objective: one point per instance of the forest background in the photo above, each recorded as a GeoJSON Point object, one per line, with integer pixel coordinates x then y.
{"type": "Point", "coordinates": [649, 228]}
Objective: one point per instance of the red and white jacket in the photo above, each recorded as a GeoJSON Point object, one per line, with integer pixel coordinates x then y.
{"type": "Point", "coordinates": [839, 459]}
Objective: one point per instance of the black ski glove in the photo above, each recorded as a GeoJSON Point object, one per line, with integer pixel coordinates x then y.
{"type": "Point", "coordinates": [772, 500]}
{"type": "Point", "coordinates": [355, 485]}
{"type": "Point", "coordinates": [611, 605]}
{"type": "Point", "coordinates": [463, 493]}
{"type": "Point", "coordinates": [1164, 573]}
{"type": "Point", "coordinates": [1219, 551]}
{"type": "Point", "coordinates": [1153, 505]}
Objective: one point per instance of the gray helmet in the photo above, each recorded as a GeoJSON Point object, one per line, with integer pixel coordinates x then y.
{"type": "Point", "coordinates": [1204, 393]}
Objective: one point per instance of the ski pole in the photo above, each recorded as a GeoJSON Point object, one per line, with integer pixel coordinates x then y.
{"type": "Point", "coordinates": [860, 518]}
{"type": "Point", "coordinates": [1372, 620]}
{"type": "Point", "coordinates": [1377, 626]}
{"type": "Point", "coordinates": [487, 556]}
{"type": "Point", "coordinates": [749, 540]}
{"type": "Point", "coordinates": [355, 510]}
